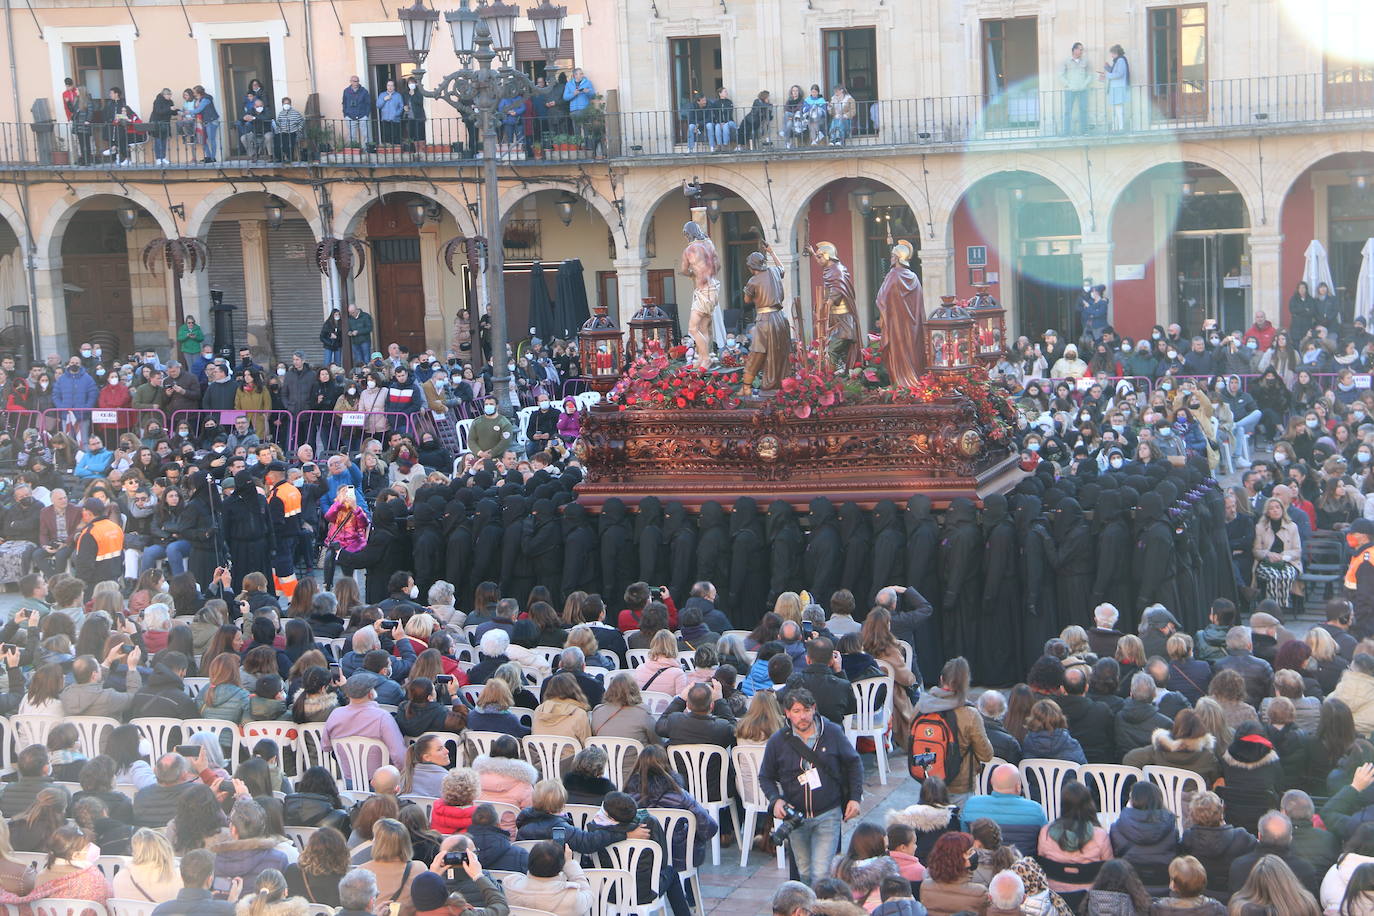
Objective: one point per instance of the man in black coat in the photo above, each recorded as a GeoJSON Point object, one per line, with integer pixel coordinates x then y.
{"type": "Point", "coordinates": [164, 693]}
{"type": "Point", "coordinates": [913, 623]}
{"type": "Point", "coordinates": [824, 677]}
{"type": "Point", "coordinates": [993, 707]}
{"type": "Point", "coordinates": [1338, 620]}
{"type": "Point", "coordinates": [696, 720]}
{"type": "Point", "coordinates": [247, 530]}
{"type": "Point", "coordinates": [1139, 716]}
{"type": "Point", "coordinates": [1240, 658]}
{"type": "Point", "coordinates": [573, 661]}
{"type": "Point", "coordinates": [703, 598]}
{"type": "Point", "coordinates": [1089, 721]}
{"type": "Point", "coordinates": [1275, 839]}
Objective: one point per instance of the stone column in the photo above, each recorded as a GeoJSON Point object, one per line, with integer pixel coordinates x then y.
{"type": "Point", "coordinates": [50, 311]}
{"type": "Point", "coordinates": [631, 278]}
{"type": "Point", "coordinates": [150, 292]}
{"type": "Point", "coordinates": [1266, 244]}
{"type": "Point", "coordinates": [257, 289]}
{"type": "Point", "coordinates": [431, 278]}
{"type": "Point", "coordinates": [937, 274]}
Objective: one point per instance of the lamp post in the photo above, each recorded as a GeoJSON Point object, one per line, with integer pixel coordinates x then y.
{"type": "Point", "coordinates": [484, 36]}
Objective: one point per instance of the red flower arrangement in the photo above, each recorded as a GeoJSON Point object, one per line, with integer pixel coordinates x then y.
{"type": "Point", "coordinates": [813, 386]}
{"type": "Point", "coordinates": [650, 384]}
{"type": "Point", "coordinates": [870, 371]}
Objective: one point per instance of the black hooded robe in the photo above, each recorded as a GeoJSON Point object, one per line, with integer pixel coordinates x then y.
{"type": "Point", "coordinates": [680, 539]}
{"type": "Point", "coordinates": [544, 549]}
{"type": "Point", "coordinates": [581, 570]}
{"type": "Point", "coordinates": [922, 564]}
{"type": "Point", "coordinates": [517, 577]}
{"type": "Point", "coordinates": [487, 534]}
{"type": "Point", "coordinates": [824, 562]}
{"type": "Point", "coordinates": [1037, 572]}
{"type": "Point", "coordinates": [713, 551]}
{"type": "Point", "coordinates": [961, 564]}
{"type": "Point", "coordinates": [1073, 562]}
{"type": "Point", "coordinates": [1155, 569]}
{"type": "Point", "coordinates": [430, 551]}
{"type": "Point", "coordinates": [888, 565]}
{"type": "Point", "coordinates": [618, 561]}
{"type": "Point", "coordinates": [649, 541]}
{"type": "Point", "coordinates": [458, 551]}
{"type": "Point", "coordinates": [999, 626]}
{"type": "Point", "coordinates": [199, 516]}
{"type": "Point", "coordinates": [785, 549]}
{"type": "Point", "coordinates": [1113, 583]}
{"type": "Point", "coordinates": [247, 531]}
{"type": "Point", "coordinates": [857, 537]}
{"type": "Point", "coordinates": [749, 557]}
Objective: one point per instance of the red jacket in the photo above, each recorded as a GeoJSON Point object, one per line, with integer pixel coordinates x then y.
{"type": "Point", "coordinates": [112, 397]}
{"type": "Point", "coordinates": [47, 523]}
{"type": "Point", "coordinates": [449, 819]}
{"type": "Point", "coordinates": [628, 620]}
{"type": "Point", "coordinates": [1265, 335]}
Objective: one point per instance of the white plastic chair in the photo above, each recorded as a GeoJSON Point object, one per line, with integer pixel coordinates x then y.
{"type": "Point", "coordinates": [471, 692]}
{"type": "Point", "coordinates": [32, 730]}
{"type": "Point", "coordinates": [119, 907]}
{"type": "Point", "coordinates": [625, 856]}
{"type": "Point", "coordinates": [748, 760]}
{"type": "Point", "coordinates": [195, 686]}
{"type": "Point", "coordinates": [984, 779]}
{"type": "Point", "coordinates": [688, 660]}
{"type": "Point", "coordinates": [548, 654]}
{"type": "Point", "coordinates": [670, 818]}
{"type": "Point", "coordinates": [1048, 776]}
{"type": "Point", "coordinates": [547, 752]}
{"type": "Point", "coordinates": [694, 762]}
{"type": "Point", "coordinates": [619, 751]}
{"type": "Point", "coordinates": [310, 749]}
{"type": "Point", "coordinates": [529, 911]}
{"type": "Point", "coordinates": [284, 733]}
{"type": "Point", "coordinates": [1110, 780]}
{"type": "Point", "coordinates": [301, 835]}
{"type": "Point", "coordinates": [873, 719]}
{"type": "Point", "coordinates": [426, 803]}
{"type": "Point", "coordinates": [611, 889]}
{"type": "Point", "coordinates": [580, 814]}
{"type": "Point", "coordinates": [636, 657]}
{"type": "Point", "coordinates": [1174, 784]}
{"type": "Point", "coordinates": [656, 701]}
{"type": "Point", "coordinates": [216, 727]}
{"type": "Point", "coordinates": [356, 756]}
{"type": "Point", "coordinates": [112, 865]}
{"type": "Point", "coordinates": [907, 653]}
{"type": "Point", "coordinates": [65, 906]}
{"type": "Point", "coordinates": [6, 743]}
{"type": "Point", "coordinates": [92, 730]}
{"type": "Point", "coordinates": [158, 731]}
{"type": "Point", "coordinates": [480, 741]}
{"type": "Point", "coordinates": [524, 715]}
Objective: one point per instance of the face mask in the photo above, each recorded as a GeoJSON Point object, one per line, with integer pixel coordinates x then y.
{"type": "Point", "coordinates": [412, 86]}
{"type": "Point", "coordinates": [1311, 424]}
{"type": "Point", "coordinates": [43, 384]}
{"type": "Point", "coordinates": [489, 409]}
{"type": "Point", "coordinates": [219, 449]}
{"type": "Point", "coordinates": [281, 372]}
{"type": "Point", "coordinates": [1281, 459]}
{"type": "Point", "coordinates": [1165, 431]}
{"type": "Point", "coordinates": [1362, 457]}
{"type": "Point", "coordinates": [1087, 287]}
{"type": "Point", "coordinates": [1173, 354]}
{"type": "Point", "coordinates": [1032, 446]}
{"type": "Point", "coordinates": [1116, 464]}
{"type": "Point", "coordinates": [544, 405]}
{"type": "Point", "coordinates": [1358, 415]}
{"type": "Point", "coordinates": [353, 392]}
{"type": "Point", "coordinates": [1156, 335]}
{"type": "Point", "coordinates": [1125, 348]}
{"type": "Point", "coordinates": [371, 383]}
{"type": "Point", "coordinates": [97, 351]}
{"type": "Point", "coordinates": [1215, 341]}
{"type": "Point", "coordinates": [86, 353]}
{"type": "Point", "coordinates": [510, 367]}
{"type": "Point", "coordinates": [413, 591]}
{"type": "Point", "coordinates": [285, 107]}
{"type": "Point", "coordinates": [1119, 428]}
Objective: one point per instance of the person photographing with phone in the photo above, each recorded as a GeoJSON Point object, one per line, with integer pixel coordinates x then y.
{"type": "Point", "coordinates": [813, 779]}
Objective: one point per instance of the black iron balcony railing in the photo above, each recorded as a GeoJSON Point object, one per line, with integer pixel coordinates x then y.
{"type": "Point", "coordinates": [1145, 113]}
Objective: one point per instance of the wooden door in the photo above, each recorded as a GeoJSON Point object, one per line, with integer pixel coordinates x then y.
{"type": "Point", "coordinates": [1178, 61]}
{"type": "Point", "coordinates": [399, 288]}
{"type": "Point", "coordinates": [103, 299]}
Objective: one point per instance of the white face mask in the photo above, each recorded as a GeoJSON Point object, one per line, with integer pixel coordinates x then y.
{"type": "Point", "coordinates": [1363, 457]}
{"type": "Point", "coordinates": [1173, 354]}
{"type": "Point", "coordinates": [1280, 459]}
{"type": "Point", "coordinates": [1156, 335]}
{"type": "Point", "coordinates": [544, 405]}
{"type": "Point", "coordinates": [489, 409]}
{"type": "Point", "coordinates": [371, 383]}
{"type": "Point", "coordinates": [413, 591]}
{"type": "Point", "coordinates": [1311, 424]}
{"type": "Point", "coordinates": [281, 371]}
{"type": "Point", "coordinates": [1252, 344]}
{"type": "Point", "coordinates": [285, 106]}
{"type": "Point", "coordinates": [86, 353]}
{"type": "Point", "coordinates": [1116, 464]}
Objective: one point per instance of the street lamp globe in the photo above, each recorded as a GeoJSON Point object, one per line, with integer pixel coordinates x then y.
{"type": "Point", "coordinates": [127, 217]}
{"type": "Point", "coordinates": [500, 18]}
{"type": "Point", "coordinates": [462, 22]}
{"type": "Point", "coordinates": [418, 22]}
{"type": "Point", "coordinates": [547, 20]}
{"type": "Point", "coordinates": [276, 210]}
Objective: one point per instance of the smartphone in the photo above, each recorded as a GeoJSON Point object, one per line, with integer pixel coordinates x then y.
{"type": "Point", "coordinates": [559, 834]}
{"type": "Point", "coordinates": [453, 859]}
{"type": "Point", "coordinates": [443, 679]}
{"type": "Point", "coordinates": [8, 647]}
{"type": "Point", "coordinates": [189, 751]}
{"type": "Point", "coordinates": [808, 627]}
{"type": "Point", "coordinates": [388, 624]}
{"type": "Point", "coordinates": [335, 670]}
{"type": "Point", "coordinates": [125, 650]}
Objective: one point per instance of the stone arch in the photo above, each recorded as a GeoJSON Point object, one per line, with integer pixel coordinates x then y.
{"type": "Point", "coordinates": [350, 214]}
{"type": "Point", "coordinates": [663, 184]}
{"type": "Point", "coordinates": [1290, 170]}
{"type": "Point", "coordinates": [946, 200]}
{"type": "Point", "coordinates": [1235, 170]}
{"type": "Point", "coordinates": [10, 214]}
{"type": "Point", "coordinates": [513, 195]}
{"type": "Point", "coordinates": [49, 244]}
{"type": "Point", "coordinates": [815, 180]}
{"type": "Point", "coordinates": [203, 215]}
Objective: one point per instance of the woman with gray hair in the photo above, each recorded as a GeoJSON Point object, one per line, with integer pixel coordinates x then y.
{"type": "Point", "coordinates": [584, 777]}
{"type": "Point", "coordinates": [442, 608]}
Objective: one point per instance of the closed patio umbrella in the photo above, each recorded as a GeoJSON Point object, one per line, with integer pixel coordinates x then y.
{"type": "Point", "coordinates": [570, 291]}
{"type": "Point", "coordinates": [1316, 267]}
{"type": "Point", "coordinates": [542, 323]}
{"type": "Point", "coordinates": [1364, 286]}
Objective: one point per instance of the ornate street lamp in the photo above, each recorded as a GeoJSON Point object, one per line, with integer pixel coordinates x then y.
{"type": "Point", "coordinates": [275, 210]}
{"type": "Point", "coordinates": [485, 35]}
{"type": "Point", "coordinates": [949, 338]}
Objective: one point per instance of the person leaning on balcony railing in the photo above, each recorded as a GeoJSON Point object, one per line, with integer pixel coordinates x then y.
{"type": "Point", "coordinates": [286, 131]}
{"type": "Point", "coordinates": [209, 121]}
{"type": "Point", "coordinates": [578, 93]}
{"type": "Point", "coordinates": [357, 109]}
{"type": "Point", "coordinates": [82, 115]}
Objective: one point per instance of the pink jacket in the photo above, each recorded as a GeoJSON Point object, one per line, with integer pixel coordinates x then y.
{"type": "Point", "coordinates": [1098, 849]}
{"type": "Point", "coordinates": [671, 681]}
{"type": "Point", "coordinates": [352, 535]}
{"type": "Point", "coordinates": [506, 780]}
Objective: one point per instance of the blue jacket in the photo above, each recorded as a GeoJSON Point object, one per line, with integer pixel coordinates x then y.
{"type": "Point", "coordinates": [353, 477]}
{"type": "Point", "coordinates": [357, 103]}
{"type": "Point", "coordinates": [1058, 744]}
{"type": "Point", "coordinates": [74, 390]}
{"type": "Point", "coordinates": [198, 366]}
{"type": "Point", "coordinates": [205, 107]}
{"type": "Point", "coordinates": [757, 680]}
{"type": "Point", "coordinates": [578, 100]}
{"type": "Point", "coordinates": [94, 464]}
{"type": "Point", "coordinates": [389, 106]}
{"type": "Point", "coordinates": [1094, 316]}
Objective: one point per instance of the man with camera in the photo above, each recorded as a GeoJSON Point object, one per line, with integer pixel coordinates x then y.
{"type": "Point", "coordinates": [814, 780]}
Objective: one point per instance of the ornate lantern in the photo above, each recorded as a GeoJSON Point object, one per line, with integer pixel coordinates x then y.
{"type": "Point", "coordinates": [599, 346]}
{"type": "Point", "coordinates": [989, 327]}
{"type": "Point", "coordinates": [949, 338]}
{"type": "Point", "coordinates": [650, 323]}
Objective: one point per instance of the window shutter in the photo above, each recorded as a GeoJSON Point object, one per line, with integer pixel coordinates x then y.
{"type": "Point", "coordinates": [387, 49]}
{"type": "Point", "coordinates": [527, 46]}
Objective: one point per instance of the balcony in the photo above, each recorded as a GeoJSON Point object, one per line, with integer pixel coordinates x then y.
{"type": "Point", "coordinates": [1153, 113]}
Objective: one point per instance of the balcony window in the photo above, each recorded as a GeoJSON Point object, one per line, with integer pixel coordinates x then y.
{"type": "Point", "coordinates": [1178, 61]}
{"type": "Point", "coordinates": [851, 60]}
{"type": "Point", "coordinates": [99, 68]}
{"type": "Point", "coordinates": [1348, 74]}
{"type": "Point", "coordinates": [696, 69]}
{"type": "Point", "coordinates": [1011, 81]}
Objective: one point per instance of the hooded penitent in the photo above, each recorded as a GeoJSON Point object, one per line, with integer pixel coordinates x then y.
{"type": "Point", "coordinates": [618, 561]}
{"type": "Point", "coordinates": [1074, 564]}
{"type": "Point", "coordinates": [680, 545]}
{"type": "Point", "coordinates": [785, 549]}
{"type": "Point", "coordinates": [581, 571]}
{"type": "Point", "coordinates": [749, 560]}
{"type": "Point", "coordinates": [824, 550]}
{"type": "Point", "coordinates": [713, 547]}
{"type": "Point", "coordinates": [999, 626]}
{"type": "Point", "coordinates": [961, 569]}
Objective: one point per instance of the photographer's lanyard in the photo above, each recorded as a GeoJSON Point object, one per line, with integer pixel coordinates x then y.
{"type": "Point", "coordinates": [809, 778]}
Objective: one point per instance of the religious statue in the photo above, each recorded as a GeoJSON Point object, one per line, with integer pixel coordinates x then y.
{"type": "Point", "coordinates": [772, 341]}
{"type": "Point", "coordinates": [835, 311]}
{"type": "Point", "coordinates": [901, 308]}
{"type": "Point", "coordinates": [701, 263]}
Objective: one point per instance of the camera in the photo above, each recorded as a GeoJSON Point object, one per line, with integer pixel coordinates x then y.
{"type": "Point", "coordinates": [454, 859]}
{"type": "Point", "coordinates": [922, 760]}
{"type": "Point", "coordinates": [784, 827]}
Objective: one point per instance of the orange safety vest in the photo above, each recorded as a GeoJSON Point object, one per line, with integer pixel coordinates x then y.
{"type": "Point", "coordinates": [109, 539]}
{"type": "Point", "coordinates": [1353, 570]}
{"type": "Point", "coordinates": [289, 497]}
